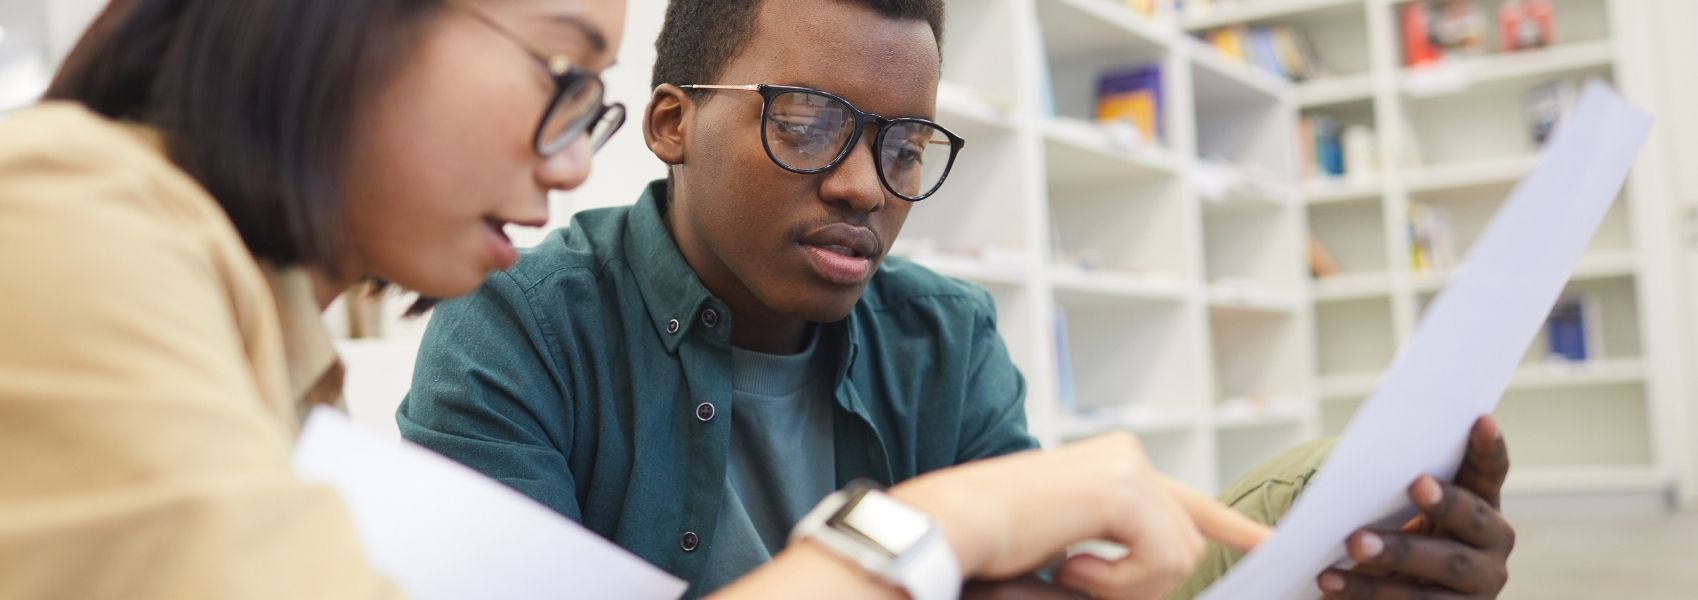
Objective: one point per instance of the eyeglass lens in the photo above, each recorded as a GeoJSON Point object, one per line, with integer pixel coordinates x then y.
{"type": "Point", "coordinates": [808, 132]}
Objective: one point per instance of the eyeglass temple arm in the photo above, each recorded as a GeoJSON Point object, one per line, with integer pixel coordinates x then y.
{"type": "Point", "coordinates": [557, 64]}
{"type": "Point", "coordinates": [747, 88]}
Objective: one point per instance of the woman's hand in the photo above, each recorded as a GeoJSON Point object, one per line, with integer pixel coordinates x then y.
{"type": "Point", "coordinates": [1007, 516]}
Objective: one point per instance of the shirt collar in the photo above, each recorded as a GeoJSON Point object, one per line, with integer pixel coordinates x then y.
{"type": "Point", "coordinates": [672, 293]}
{"type": "Point", "coordinates": [315, 371]}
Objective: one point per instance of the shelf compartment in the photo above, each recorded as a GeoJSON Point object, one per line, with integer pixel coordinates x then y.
{"type": "Point", "coordinates": [1257, 356]}
{"type": "Point", "coordinates": [1082, 39]}
{"type": "Point", "coordinates": [1590, 426]}
{"type": "Point", "coordinates": [1353, 234]}
{"type": "Point", "coordinates": [972, 210]}
{"type": "Point", "coordinates": [1614, 336]}
{"type": "Point", "coordinates": [1253, 249]}
{"type": "Point", "coordinates": [1354, 337]}
{"type": "Point", "coordinates": [1133, 355]}
{"type": "Point", "coordinates": [978, 54]}
{"type": "Point", "coordinates": [1081, 152]}
{"type": "Point", "coordinates": [1132, 230]}
{"type": "Point", "coordinates": [971, 114]}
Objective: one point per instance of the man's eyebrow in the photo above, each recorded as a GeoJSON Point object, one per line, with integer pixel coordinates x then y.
{"type": "Point", "coordinates": [597, 39]}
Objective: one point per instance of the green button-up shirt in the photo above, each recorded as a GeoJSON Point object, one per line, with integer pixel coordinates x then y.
{"type": "Point", "coordinates": [595, 377]}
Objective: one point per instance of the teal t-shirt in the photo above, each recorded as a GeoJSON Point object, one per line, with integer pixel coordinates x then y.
{"type": "Point", "coordinates": [781, 457]}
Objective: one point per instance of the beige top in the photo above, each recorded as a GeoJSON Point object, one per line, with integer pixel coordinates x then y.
{"type": "Point", "coordinates": [152, 378]}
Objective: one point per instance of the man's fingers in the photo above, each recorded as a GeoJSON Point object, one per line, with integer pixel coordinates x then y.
{"type": "Point", "coordinates": [1485, 465]}
{"type": "Point", "coordinates": [1442, 562]}
{"type": "Point", "coordinates": [1344, 585]}
{"type": "Point", "coordinates": [1461, 514]}
{"type": "Point", "coordinates": [1218, 521]}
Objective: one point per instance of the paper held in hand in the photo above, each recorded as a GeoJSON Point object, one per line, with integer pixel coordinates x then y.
{"type": "Point", "coordinates": [1462, 355]}
{"type": "Point", "coordinates": [442, 531]}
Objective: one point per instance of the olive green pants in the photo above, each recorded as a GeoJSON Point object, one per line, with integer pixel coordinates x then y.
{"type": "Point", "coordinates": [1264, 495]}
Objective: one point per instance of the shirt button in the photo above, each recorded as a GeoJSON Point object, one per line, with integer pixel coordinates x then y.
{"type": "Point", "coordinates": [710, 318]}
{"type": "Point", "coordinates": [704, 412]}
{"type": "Point", "coordinates": [672, 326]}
{"type": "Point", "coordinates": [689, 541]}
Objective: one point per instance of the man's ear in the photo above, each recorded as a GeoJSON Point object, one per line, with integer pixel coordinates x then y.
{"type": "Point", "coordinates": [665, 123]}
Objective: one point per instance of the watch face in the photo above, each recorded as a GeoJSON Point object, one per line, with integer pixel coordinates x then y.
{"type": "Point", "coordinates": [888, 524]}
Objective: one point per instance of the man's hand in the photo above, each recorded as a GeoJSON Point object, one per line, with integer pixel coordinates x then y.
{"type": "Point", "coordinates": [1458, 547]}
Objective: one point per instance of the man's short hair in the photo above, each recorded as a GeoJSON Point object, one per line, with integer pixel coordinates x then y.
{"type": "Point", "coordinates": [700, 36]}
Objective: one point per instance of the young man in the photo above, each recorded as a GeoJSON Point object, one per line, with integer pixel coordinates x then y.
{"type": "Point", "coordinates": [690, 375]}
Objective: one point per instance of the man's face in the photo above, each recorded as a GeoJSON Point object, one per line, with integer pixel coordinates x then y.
{"type": "Point", "coordinates": [800, 245]}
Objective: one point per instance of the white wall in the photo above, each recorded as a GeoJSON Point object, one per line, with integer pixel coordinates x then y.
{"type": "Point", "coordinates": [66, 20]}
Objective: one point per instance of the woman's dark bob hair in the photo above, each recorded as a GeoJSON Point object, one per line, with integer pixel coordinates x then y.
{"type": "Point", "coordinates": [255, 99]}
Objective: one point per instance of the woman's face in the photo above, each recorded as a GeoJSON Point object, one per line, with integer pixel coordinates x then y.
{"type": "Point", "coordinates": [443, 156]}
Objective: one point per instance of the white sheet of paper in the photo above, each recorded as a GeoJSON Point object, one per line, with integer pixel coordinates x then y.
{"type": "Point", "coordinates": [442, 531]}
{"type": "Point", "coordinates": [1462, 356]}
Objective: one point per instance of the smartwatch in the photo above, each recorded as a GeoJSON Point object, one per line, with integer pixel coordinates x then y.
{"type": "Point", "coordinates": [888, 538]}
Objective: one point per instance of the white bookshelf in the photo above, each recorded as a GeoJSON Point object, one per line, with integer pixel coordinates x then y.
{"type": "Point", "coordinates": [1575, 428]}
{"type": "Point", "coordinates": [1176, 262]}
{"type": "Point", "coordinates": [1190, 317]}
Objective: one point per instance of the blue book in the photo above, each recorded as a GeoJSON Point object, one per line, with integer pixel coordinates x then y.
{"type": "Point", "coordinates": [1566, 330]}
{"type": "Point", "coordinates": [1066, 396]}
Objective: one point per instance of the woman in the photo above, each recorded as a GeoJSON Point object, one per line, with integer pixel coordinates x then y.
{"type": "Point", "coordinates": [206, 176]}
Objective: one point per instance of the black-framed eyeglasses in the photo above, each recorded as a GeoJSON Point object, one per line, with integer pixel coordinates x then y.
{"type": "Point", "coordinates": [577, 106]}
{"type": "Point", "coordinates": [808, 131]}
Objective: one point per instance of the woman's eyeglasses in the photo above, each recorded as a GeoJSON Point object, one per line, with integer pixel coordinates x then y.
{"type": "Point", "coordinates": [808, 131]}
{"type": "Point", "coordinates": [577, 106]}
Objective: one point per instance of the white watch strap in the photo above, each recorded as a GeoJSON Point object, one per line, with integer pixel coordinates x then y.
{"type": "Point", "coordinates": [929, 571]}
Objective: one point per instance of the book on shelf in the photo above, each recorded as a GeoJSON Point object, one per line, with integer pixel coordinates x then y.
{"type": "Point", "coordinates": [1418, 45]}
{"type": "Point", "coordinates": [1132, 96]}
{"type": "Point", "coordinates": [1458, 27]}
{"type": "Point", "coordinates": [1361, 153]}
{"type": "Point", "coordinates": [1432, 239]}
{"type": "Point", "coordinates": [1284, 51]}
{"type": "Point", "coordinates": [1524, 24]}
{"type": "Point", "coordinates": [1433, 29]}
{"type": "Point", "coordinates": [1573, 331]}
{"type": "Point", "coordinates": [1065, 393]}
{"type": "Point", "coordinates": [1544, 104]}
{"type": "Point", "coordinates": [1323, 146]}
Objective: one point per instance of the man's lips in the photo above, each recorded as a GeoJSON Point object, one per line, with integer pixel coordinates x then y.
{"type": "Point", "coordinates": [845, 239]}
